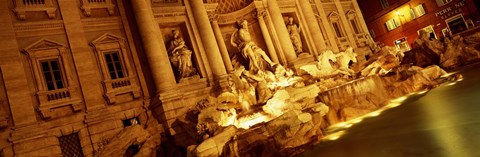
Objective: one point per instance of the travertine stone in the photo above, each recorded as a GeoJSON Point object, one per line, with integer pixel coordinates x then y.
{"type": "Point", "coordinates": [345, 23]}
{"type": "Point", "coordinates": [19, 97]}
{"type": "Point", "coordinates": [312, 26]}
{"type": "Point", "coordinates": [266, 35]}
{"type": "Point", "coordinates": [208, 38]}
{"type": "Point", "coordinates": [329, 31]}
{"type": "Point", "coordinates": [221, 44]}
{"type": "Point", "coordinates": [281, 29]}
{"type": "Point", "coordinates": [156, 52]}
{"type": "Point", "coordinates": [82, 54]}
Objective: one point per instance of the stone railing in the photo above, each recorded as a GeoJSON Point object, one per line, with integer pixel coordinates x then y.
{"type": "Point", "coordinates": [22, 6]}
{"type": "Point", "coordinates": [342, 42]}
{"type": "Point", "coordinates": [88, 5]}
{"type": "Point", "coordinates": [120, 86]}
{"type": "Point", "coordinates": [49, 100]}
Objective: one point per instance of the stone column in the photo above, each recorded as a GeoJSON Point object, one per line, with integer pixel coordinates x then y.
{"type": "Point", "coordinates": [326, 24]}
{"type": "Point", "coordinates": [360, 17]}
{"type": "Point", "coordinates": [154, 46]}
{"type": "Point", "coordinates": [266, 35]}
{"type": "Point", "coordinates": [208, 38]}
{"type": "Point", "coordinates": [282, 32]}
{"type": "Point", "coordinates": [315, 31]}
{"type": "Point", "coordinates": [346, 24]}
{"type": "Point", "coordinates": [221, 45]}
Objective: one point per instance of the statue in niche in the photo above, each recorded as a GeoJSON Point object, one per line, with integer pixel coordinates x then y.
{"type": "Point", "coordinates": [257, 58]}
{"type": "Point", "coordinates": [181, 56]}
{"type": "Point", "coordinates": [294, 32]}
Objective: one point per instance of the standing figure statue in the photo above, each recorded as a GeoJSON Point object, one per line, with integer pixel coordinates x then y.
{"type": "Point", "coordinates": [256, 57]}
{"type": "Point", "coordinates": [181, 56]}
{"type": "Point", "coordinates": [294, 32]}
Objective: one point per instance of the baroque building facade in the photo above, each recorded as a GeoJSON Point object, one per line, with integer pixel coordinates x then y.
{"type": "Point", "coordinates": [74, 73]}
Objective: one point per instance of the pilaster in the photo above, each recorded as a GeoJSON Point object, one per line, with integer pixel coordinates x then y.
{"type": "Point", "coordinates": [324, 21]}
{"type": "Point", "coordinates": [345, 23]}
{"type": "Point", "coordinates": [282, 32]}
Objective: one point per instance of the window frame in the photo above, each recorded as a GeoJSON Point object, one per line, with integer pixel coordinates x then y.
{"type": "Point", "coordinates": [113, 87]}
{"type": "Point", "coordinates": [60, 68]}
{"type": "Point", "coordinates": [70, 95]}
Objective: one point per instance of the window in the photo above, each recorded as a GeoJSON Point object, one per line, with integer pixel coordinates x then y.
{"type": "Point", "coordinates": [354, 26]}
{"type": "Point", "coordinates": [24, 6]}
{"type": "Point", "coordinates": [456, 24]}
{"type": "Point", "coordinates": [118, 76]}
{"type": "Point", "coordinates": [114, 65]}
{"type": "Point", "coordinates": [337, 29]}
{"type": "Point", "coordinates": [419, 10]}
{"type": "Point", "coordinates": [55, 88]}
{"type": "Point", "coordinates": [412, 14]}
{"type": "Point", "coordinates": [392, 24]}
{"type": "Point", "coordinates": [89, 5]}
{"type": "Point", "coordinates": [53, 74]}
{"type": "Point", "coordinates": [443, 2]}
{"type": "Point", "coordinates": [33, 2]}
{"type": "Point", "coordinates": [372, 33]}
{"type": "Point", "coordinates": [384, 3]}
{"type": "Point", "coordinates": [70, 145]}
{"type": "Point", "coordinates": [130, 122]}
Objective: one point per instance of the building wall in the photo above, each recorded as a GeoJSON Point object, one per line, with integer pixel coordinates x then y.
{"type": "Point", "coordinates": [408, 26]}
{"type": "Point", "coordinates": [79, 33]}
{"type": "Point", "coordinates": [89, 106]}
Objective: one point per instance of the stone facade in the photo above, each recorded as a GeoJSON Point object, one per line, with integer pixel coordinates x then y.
{"type": "Point", "coordinates": [86, 68]}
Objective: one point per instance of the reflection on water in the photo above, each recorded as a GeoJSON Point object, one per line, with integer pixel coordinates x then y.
{"type": "Point", "coordinates": [440, 122]}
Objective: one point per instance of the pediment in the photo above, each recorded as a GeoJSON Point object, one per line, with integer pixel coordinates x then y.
{"type": "Point", "coordinates": [351, 12]}
{"type": "Point", "coordinates": [333, 14]}
{"type": "Point", "coordinates": [107, 38]}
{"type": "Point", "coordinates": [43, 44]}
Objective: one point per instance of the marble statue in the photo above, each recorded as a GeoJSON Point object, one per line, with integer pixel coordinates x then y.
{"type": "Point", "coordinates": [257, 58]}
{"type": "Point", "coordinates": [344, 59]}
{"type": "Point", "coordinates": [181, 56]}
{"type": "Point", "coordinates": [294, 32]}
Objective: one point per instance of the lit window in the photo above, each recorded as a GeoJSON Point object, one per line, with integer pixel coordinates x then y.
{"type": "Point", "coordinates": [384, 3]}
{"type": "Point", "coordinates": [419, 10]}
{"type": "Point", "coordinates": [442, 2]}
{"type": "Point", "coordinates": [392, 24]}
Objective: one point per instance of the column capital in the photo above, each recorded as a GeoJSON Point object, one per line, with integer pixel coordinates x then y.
{"type": "Point", "coordinates": [261, 13]}
{"type": "Point", "coordinates": [213, 17]}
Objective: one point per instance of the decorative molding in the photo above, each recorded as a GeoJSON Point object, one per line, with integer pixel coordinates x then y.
{"type": "Point", "coordinates": [23, 6]}
{"type": "Point", "coordinates": [42, 28]}
{"type": "Point", "coordinates": [88, 5]}
{"type": "Point", "coordinates": [98, 24]}
{"type": "Point", "coordinates": [249, 12]}
{"type": "Point", "coordinates": [69, 96]}
{"type": "Point", "coordinates": [169, 11]}
{"type": "Point", "coordinates": [113, 87]}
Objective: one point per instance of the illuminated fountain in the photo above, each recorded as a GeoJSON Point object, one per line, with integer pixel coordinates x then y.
{"type": "Point", "coordinates": [270, 109]}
